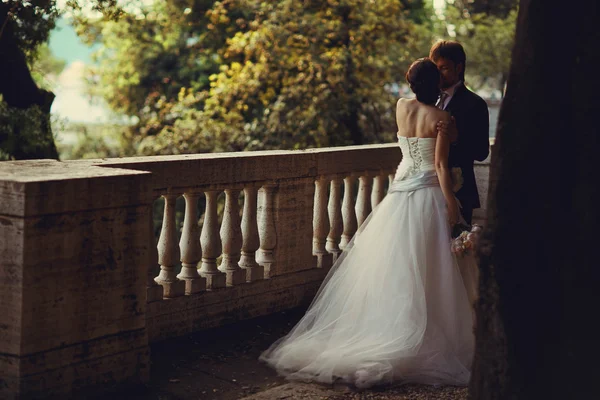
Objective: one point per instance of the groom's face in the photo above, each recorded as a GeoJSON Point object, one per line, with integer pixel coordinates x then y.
{"type": "Point", "coordinates": [450, 72]}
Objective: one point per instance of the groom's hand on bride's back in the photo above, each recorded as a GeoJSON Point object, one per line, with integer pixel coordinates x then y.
{"type": "Point", "coordinates": [448, 129]}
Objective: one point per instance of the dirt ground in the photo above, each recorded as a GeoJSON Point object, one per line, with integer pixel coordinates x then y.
{"type": "Point", "coordinates": [222, 364]}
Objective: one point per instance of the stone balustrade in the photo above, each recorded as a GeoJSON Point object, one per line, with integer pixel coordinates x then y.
{"type": "Point", "coordinates": [291, 226]}
{"type": "Point", "coordinates": [85, 285]}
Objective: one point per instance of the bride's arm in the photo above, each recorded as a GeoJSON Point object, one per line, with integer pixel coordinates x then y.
{"type": "Point", "coordinates": [442, 149]}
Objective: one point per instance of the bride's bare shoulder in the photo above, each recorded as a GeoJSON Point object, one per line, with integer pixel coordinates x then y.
{"type": "Point", "coordinates": [404, 102]}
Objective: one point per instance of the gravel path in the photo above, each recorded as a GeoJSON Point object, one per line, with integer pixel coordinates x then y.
{"type": "Point", "coordinates": [293, 391]}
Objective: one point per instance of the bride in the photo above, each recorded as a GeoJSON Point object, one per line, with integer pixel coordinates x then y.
{"type": "Point", "coordinates": [393, 308]}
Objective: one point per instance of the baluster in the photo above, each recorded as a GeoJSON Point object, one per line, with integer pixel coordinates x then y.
{"type": "Point", "coordinates": [211, 244]}
{"type": "Point", "coordinates": [334, 209]}
{"type": "Point", "coordinates": [154, 291]}
{"type": "Point", "coordinates": [321, 223]}
{"type": "Point", "coordinates": [231, 237]}
{"type": "Point", "coordinates": [191, 252]}
{"type": "Point", "coordinates": [348, 213]}
{"type": "Point", "coordinates": [266, 229]}
{"type": "Point", "coordinates": [363, 201]}
{"type": "Point", "coordinates": [168, 251]}
{"type": "Point", "coordinates": [251, 240]}
{"type": "Point", "coordinates": [378, 192]}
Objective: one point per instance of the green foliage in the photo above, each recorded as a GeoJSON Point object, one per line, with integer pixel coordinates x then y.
{"type": "Point", "coordinates": [488, 41]}
{"type": "Point", "coordinates": [491, 8]}
{"type": "Point", "coordinates": [24, 113]}
{"type": "Point", "coordinates": [148, 56]}
{"type": "Point", "coordinates": [34, 21]}
{"type": "Point", "coordinates": [80, 141]}
{"type": "Point", "coordinates": [419, 11]}
{"type": "Point", "coordinates": [29, 22]}
{"type": "Point", "coordinates": [44, 66]}
{"type": "Point", "coordinates": [490, 44]}
{"type": "Point", "coordinates": [488, 38]}
{"type": "Point", "coordinates": [22, 130]}
{"type": "Point", "coordinates": [259, 75]}
{"type": "Point", "coordinates": [230, 75]}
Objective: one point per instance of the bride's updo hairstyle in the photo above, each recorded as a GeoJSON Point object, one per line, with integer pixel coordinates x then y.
{"type": "Point", "coordinates": [423, 77]}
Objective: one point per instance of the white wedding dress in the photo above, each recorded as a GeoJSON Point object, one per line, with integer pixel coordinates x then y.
{"type": "Point", "coordinates": [393, 308]}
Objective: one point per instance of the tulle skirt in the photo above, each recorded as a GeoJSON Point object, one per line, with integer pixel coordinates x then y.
{"type": "Point", "coordinates": [393, 308]}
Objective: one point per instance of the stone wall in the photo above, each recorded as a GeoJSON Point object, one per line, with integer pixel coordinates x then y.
{"type": "Point", "coordinates": [72, 278]}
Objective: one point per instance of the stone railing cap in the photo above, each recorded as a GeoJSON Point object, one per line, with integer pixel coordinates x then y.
{"type": "Point", "coordinates": [40, 187]}
{"type": "Point", "coordinates": [181, 172]}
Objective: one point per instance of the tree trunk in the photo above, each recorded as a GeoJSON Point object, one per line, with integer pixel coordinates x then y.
{"type": "Point", "coordinates": [350, 120]}
{"type": "Point", "coordinates": [502, 86]}
{"type": "Point", "coordinates": [540, 269]}
{"type": "Point", "coordinates": [351, 123]}
{"type": "Point", "coordinates": [19, 90]}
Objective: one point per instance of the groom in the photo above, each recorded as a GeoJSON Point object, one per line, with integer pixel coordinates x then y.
{"type": "Point", "coordinates": [469, 129]}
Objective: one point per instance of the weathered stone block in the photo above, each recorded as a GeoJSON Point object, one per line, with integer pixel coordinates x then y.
{"type": "Point", "coordinates": [255, 273]}
{"type": "Point", "coordinates": [215, 281]}
{"type": "Point", "coordinates": [236, 277]}
{"type": "Point", "coordinates": [73, 268]}
{"type": "Point", "coordinates": [194, 286]}
{"type": "Point", "coordinates": [173, 289]}
{"type": "Point", "coordinates": [11, 283]}
{"type": "Point", "coordinates": [324, 260]}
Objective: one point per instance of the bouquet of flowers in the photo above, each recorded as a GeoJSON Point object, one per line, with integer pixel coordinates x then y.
{"type": "Point", "coordinates": [465, 239]}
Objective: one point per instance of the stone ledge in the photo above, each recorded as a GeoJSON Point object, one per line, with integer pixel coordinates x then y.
{"type": "Point", "coordinates": [217, 169]}
{"type": "Point", "coordinates": [357, 159]}
{"type": "Point", "coordinates": [42, 187]}
{"type": "Point", "coordinates": [203, 170]}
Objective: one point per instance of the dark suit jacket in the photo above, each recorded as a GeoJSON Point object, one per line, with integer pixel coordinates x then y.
{"type": "Point", "coordinates": [472, 122]}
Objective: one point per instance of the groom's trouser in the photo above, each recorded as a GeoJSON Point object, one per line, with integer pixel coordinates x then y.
{"type": "Point", "coordinates": [467, 213]}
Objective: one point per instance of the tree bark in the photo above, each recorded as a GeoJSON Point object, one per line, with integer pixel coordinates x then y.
{"type": "Point", "coordinates": [351, 119]}
{"type": "Point", "coordinates": [502, 85]}
{"type": "Point", "coordinates": [540, 270]}
{"type": "Point", "coordinates": [19, 90]}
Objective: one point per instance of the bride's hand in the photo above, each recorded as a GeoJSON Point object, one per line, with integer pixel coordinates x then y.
{"type": "Point", "coordinates": [453, 213]}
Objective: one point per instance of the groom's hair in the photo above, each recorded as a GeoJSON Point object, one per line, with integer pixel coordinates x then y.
{"type": "Point", "coordinates": [449, 50]}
